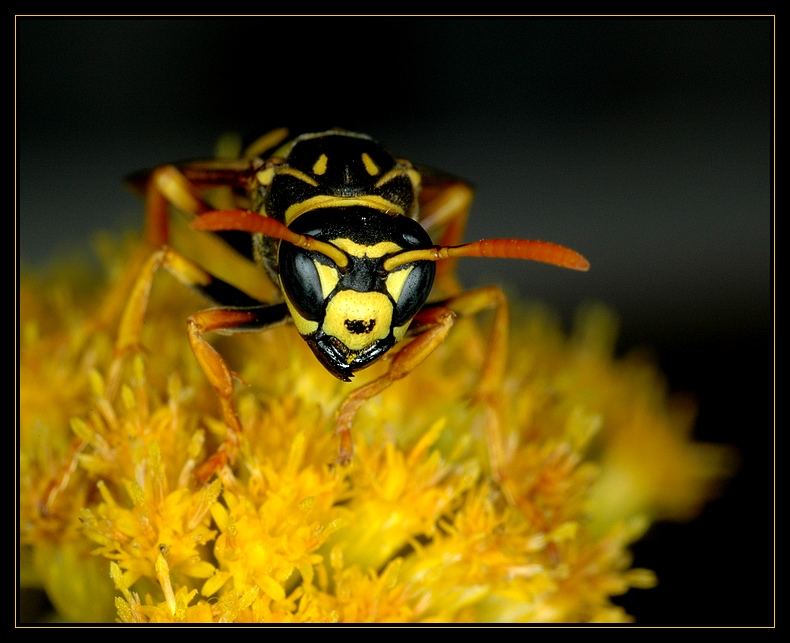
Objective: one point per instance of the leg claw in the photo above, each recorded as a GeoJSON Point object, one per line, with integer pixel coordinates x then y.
{"type": "Point", "coordinates": [211, 466]}
{"type": "Point", "coordinates": [344, 457]}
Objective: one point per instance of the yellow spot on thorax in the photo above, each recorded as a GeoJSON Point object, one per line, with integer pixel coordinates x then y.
{"type": "Point", "coordinates": [370, 166]}
{"type": "Point", "coordinates": [359, 250]}
{"type": "Point", "coordinates": [319, 167]}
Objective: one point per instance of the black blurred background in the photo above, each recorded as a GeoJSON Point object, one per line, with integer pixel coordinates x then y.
{"type": "Point", "coordinates": [645, 143]}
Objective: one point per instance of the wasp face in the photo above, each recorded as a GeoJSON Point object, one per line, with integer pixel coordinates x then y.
{"type": "Point", "coordinates": [352, 316]}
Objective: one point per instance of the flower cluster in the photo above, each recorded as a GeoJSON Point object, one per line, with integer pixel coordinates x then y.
{"type": "Point", "coordinates": [115, 525]}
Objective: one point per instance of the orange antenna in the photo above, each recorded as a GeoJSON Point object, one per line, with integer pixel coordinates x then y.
{"type": "Point", "coordinates": [255, 223]}
{"type": "Point", "coordinates": [542, 251]}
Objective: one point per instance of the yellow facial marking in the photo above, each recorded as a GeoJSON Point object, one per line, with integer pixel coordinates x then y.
{"type": "Point", "coordinates": [297, 174]}
{"type": "Point", "coordinates": [395, 281]}
{"type": "Point", "coordinates": [326, 201]}
{"type": "Point", "coordinates": [304, 326]}
{"type": "Point", "coordinates": [358, 318]}
{"type": "Point", "coordinates": [319, 167]}
{"type": "Point", "coordinates": [265, 176]}
{"type": "Point", "coordinates": [358, 250]}
{"type": "Point", "coordinates": [370, 166]}
{"type": "Point", "coordinates": [328, 277]}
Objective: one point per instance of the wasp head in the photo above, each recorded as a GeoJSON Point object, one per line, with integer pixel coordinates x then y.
{"type": "Point", "coordinates": [352, 315]}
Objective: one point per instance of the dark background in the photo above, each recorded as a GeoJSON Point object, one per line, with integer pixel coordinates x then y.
{"type": "Point", "coordinates": [644, 143]}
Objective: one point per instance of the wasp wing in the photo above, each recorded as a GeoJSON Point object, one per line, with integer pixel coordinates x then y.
{"type": "Point", "coordinates": [444, 204]}
{"type": "Point", "coordinates": [207, 173]}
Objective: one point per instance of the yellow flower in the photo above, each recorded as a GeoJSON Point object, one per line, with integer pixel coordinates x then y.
{"type": "Point", "coordinates": [114, 525]}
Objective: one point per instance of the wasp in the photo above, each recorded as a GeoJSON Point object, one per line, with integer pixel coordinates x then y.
{"type": "Point", "coordinates": [353, 238]}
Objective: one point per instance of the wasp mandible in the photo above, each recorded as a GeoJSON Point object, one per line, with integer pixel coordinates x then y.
{"type": "Point", "coordinates": [354, 240]}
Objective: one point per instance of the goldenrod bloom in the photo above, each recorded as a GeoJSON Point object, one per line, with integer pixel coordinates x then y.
{"type": "Point", "coordinates": [115, 526]}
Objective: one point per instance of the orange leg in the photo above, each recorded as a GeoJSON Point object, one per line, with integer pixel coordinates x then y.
{"type": "Point", "coordinates": [431, 326]}
{"type": "Point", "coordinates": [472, 302]}
{"type": "Point", "coordinates": [168, 185]}
{"type": "Point", "coordinates": [493, 370]}
{"type": "Point", "coordinates": [60, 480]}
{"type": "Point", "coordinates": [181, 187]}
{"type": "Point", "coordinates": [265, 143]}
{"type": "Point", "coordinates": [255, 316]}
{"type": "Point", "coordinates": [130, 328]}
{"type": "Point", "coordinates": [132, 320]}
{"type": "Point", "coordinates": [217, 372]}
{"type": "Point", "coordinates": [435, 323]}
{"type": "Point", "coordinates": [447, 210]}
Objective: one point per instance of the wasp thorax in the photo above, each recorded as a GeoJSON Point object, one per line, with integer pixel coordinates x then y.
{"type": "Point", "coordinates": [358, 318]}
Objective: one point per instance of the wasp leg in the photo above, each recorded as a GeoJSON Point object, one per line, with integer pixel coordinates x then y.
{"type": "Point", "coordinates": [472, 302]}
{"type": "Point", "coordinates": [183, 188]}
{"type": "Point", "coordinates": [431, 325]}
{"type": "Point", "coordinates": [447, 210]}
{"type": "Point", "coordinates": [168, 185]}
{"type": "Point", "coordinates": [188, 273]}
{"type": "Point", "coordinates": [489, 383]}
{"type": "Point", "coordinates": [216, 369]}
{"type": "Point", "coordinates": [265, 143]}
{"type": "Point", "coordinates": [60, 480]}
{"type": "Point", "coordinates": [180, 186]}
{"type": "Point", "coordinates": [434, 324]}
{"type": "Point", "coordinates": [255, 316]}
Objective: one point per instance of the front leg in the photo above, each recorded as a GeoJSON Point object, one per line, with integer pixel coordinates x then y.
{"type": "Point", "coordinates": [432, 324]}
{"type": "Point", "coordinates": [216, 369]}
{"type": "Point", "coordinates": [242, 313]}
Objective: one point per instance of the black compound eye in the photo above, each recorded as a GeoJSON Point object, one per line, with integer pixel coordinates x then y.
{"type": "Point", "coordinates": [415, 291]}
{"type": "Point", "coordinates": [301, 282]}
